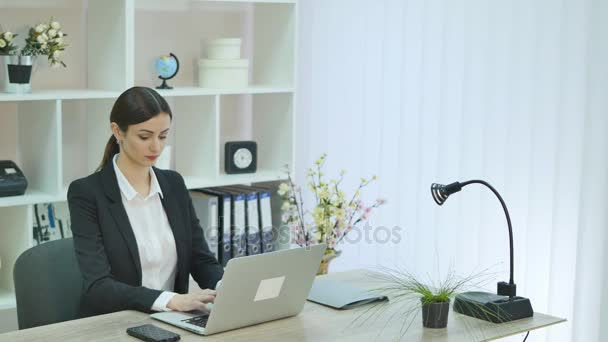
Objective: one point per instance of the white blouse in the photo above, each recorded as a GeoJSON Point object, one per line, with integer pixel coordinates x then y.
{"type": "Point", "coordinates": [155, 241]}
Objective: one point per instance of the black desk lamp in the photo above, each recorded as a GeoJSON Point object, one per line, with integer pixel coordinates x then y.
{"type": "Point", "coordinates": [503, 307]}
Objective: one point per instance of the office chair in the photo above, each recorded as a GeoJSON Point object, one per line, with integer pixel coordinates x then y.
{"type": "Point", "coordinates": [48, 284]}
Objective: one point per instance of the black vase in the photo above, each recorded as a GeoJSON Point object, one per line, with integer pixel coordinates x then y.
{"type": "Point", "coordinates": [435, 315]}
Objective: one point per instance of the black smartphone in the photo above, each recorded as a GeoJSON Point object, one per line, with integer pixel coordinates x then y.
{"type": "Point", "coordinates": [152, 333]}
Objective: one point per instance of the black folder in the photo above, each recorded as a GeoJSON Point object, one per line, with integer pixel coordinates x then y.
{"type": "Point", "coordinates": [265, 218]}
{"type": "Point", "coordinates": [224, 223]}
{"type": "Point", "coordinates": [237, 220]}
{"type": "Point", "coordinates": [252, 222]}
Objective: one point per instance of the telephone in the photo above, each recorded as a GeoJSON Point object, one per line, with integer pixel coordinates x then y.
{"type": "Point", "coordinates": [12, 180]}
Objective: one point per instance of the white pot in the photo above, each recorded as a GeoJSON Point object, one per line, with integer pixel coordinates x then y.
{"type": "Point", "coordinates": [224, 48]}
{"type": "Point", "coordinates": [22, 73]}
{"type": "Point", "coordinates": [213, 73]}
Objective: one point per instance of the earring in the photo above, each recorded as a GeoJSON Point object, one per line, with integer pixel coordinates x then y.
{"type": "Point", "coordinates": [117, 141]}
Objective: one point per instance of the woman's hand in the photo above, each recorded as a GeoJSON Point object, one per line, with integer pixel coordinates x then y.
{"type": "Point", "coordinates": [192, 301]}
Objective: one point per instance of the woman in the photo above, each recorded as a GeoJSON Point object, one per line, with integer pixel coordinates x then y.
{"type": "Point", "coordinates": [136, 235]}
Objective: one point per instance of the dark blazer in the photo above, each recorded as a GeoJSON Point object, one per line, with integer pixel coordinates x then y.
{"type": "Point", "coordinates": [107, 251]}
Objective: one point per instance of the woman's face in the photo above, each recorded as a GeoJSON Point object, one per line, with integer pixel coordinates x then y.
{"type": "Point", "coordinates": [143, 143]}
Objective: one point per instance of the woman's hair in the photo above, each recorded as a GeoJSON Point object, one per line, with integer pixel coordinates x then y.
{"type": "Point", "coordinates": [135, 105]}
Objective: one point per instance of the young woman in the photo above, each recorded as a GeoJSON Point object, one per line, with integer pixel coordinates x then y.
{"type": "Point", "coordinates": [136, 235]}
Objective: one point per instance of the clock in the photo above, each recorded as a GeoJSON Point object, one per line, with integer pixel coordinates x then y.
{"type": "Point", "coordinates": [240, 157]}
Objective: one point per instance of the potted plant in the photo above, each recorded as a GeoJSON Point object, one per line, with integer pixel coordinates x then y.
{"type": "Point", "coordinates": [333, 216]}
{"type": "Point", "coordinates": [45, 39]}
{"type": "Point", "coordinates": [432, 298]}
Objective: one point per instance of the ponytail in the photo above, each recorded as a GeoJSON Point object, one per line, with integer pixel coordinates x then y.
{"type": "Point", "coordinates": [112, 148]}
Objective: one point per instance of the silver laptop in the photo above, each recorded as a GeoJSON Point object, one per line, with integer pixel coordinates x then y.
{"type": "Point", "coordinates": [255, 289]}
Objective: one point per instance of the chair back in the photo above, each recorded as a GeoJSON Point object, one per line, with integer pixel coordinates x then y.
{"type": "Point", "coordinates": [48, 284]}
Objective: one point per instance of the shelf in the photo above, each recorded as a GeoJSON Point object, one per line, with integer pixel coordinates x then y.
{"type": "Point", "coordinates": [194, 91]}
{"type": "Point", "coordinates": [7, 299]}
{"type": "Point", "coordinates": [252, 1]}
{"type": "Point", "coordinates": [67, 94]}
{"type": "Point", "coordinates": [30, 197]}
{"type": "Point", "coordinates": [258, 177]}
{"type": "Point", "coordinates": [63, 94]}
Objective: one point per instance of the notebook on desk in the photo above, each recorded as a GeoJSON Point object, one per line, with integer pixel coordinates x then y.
{"type": "Point", "coordinates": [341, 295]}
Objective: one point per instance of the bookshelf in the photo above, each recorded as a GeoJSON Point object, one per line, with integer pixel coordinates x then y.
{"type": "Point", "coordinates": [56, 134]}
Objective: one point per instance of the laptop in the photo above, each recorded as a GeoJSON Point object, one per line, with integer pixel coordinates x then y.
{"type": "Point", "coordinates": [255, 289]}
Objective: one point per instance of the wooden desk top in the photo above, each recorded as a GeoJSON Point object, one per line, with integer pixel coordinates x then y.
{"type": "Point", "coordinates": [314, 323]}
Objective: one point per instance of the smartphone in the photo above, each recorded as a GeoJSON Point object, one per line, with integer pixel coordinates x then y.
{"type": "Point", "coordinates": [152, 333]}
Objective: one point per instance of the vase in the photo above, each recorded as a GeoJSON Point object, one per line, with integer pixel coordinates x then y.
{"type": "Point", "coordinates": [17, 73]}
{"type": "Point", "coordinates": [435, 315]}
{"type": "Point", "coordinates": [330, 254]}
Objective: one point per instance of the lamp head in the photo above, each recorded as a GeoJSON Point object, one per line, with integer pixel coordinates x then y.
{"type": "Point", "coordinates": [441, 192]}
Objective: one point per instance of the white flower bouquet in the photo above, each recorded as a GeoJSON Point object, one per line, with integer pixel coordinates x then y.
{"type": "Point", "coordinates": [46, 39]}
{"type": "Point", "coordinates": [333, 216]}
{"type": "Point", "coordinates": [6, 43]}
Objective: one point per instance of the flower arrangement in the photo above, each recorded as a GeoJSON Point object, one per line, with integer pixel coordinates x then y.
{"type": "Point", "coordinates": [6, 43]}
{"type": "Point", "coordinates": [44, 39]}
{"type": "Point", "coordinates": [333, 216]}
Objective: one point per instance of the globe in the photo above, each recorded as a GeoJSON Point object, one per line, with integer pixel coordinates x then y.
{"type": "Point", "coordinates": [166, 68]}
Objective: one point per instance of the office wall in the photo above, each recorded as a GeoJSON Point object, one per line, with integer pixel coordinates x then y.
{"type": "Point", "coordinates": [510, 91]}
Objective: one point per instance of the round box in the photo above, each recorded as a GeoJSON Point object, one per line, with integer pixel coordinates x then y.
{"type": "Point", "coordinates": [224, 48]}
{"type": "Point", "coordinates": [213, 73]}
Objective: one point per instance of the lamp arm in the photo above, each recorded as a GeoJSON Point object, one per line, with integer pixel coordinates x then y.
{"type": "Point", "coordinates": [504, 207]}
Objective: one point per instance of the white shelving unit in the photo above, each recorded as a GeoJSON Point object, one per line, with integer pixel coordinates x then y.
{"type": "Point", "coordinates": [57, 133]}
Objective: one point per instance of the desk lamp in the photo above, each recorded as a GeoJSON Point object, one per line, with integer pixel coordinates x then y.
{"type": "Point", "coordinates": [504, 306]}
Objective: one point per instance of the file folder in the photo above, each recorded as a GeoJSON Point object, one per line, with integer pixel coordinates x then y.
{"type": "Point", "coordinates": [206, 209]}
{"type": "Point", "coordinates": [341, 295]}
{"type": "Point", "coordinates": [265, 218]}
{"type": "Point", "coordinates": [225, 225]}
{"type": "Point", "coordinates": [252, 222]}
{"type": "Point", "coordinates": [237, 222]}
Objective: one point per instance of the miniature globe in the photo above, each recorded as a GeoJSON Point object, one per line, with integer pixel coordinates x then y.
{"type": "Point", "coordinates": [166, 66]}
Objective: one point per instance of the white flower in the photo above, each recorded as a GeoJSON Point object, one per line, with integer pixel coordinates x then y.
{"type": "Point", "coordinates": [45, 26]}
{"type": "Point", "coordinates": [56, 53]}
{"type": "Point", "coordinates": [43, 45]}
{"type": "Point", "coordinates": [283, 189]}
{"type": "Point", "coordinates": [59, 41]}
{"type": "Point", "coordinates": [52, 33]}
{"type": "Point", "coordinates": [40, 39]}
{"type": "Point", "coordinates": [2, 43]}
{"type": "Point", "coordinates": [8, 36]}
{"type": "Point", "coordinates": [59, 34]}
{"type": "Point", "coordinates": [45, 36]}
{"type": "Point", "coordinates": [39, 28]}
{"type": "Point", "coordinates": [55, 25]}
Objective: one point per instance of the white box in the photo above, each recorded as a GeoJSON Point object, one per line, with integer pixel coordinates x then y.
{"type": "Point", "coordinates": [224, 48]}
{"type": "Point", "coordinates": [213, 73]}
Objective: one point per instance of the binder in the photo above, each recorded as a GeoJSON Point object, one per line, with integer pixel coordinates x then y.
{"type": "Point", "coordinates": [206, 209]}
{"type": "Point", "coordinates": [237, 221]}
{"type": "Point", "coordinates": [225, 226]}
{"type": "Point", "coordinates": [265, 215]}
{"type": "Point", "coordinates": [265, 218]}
{"type": "Point", "coordinates": [252, 222]}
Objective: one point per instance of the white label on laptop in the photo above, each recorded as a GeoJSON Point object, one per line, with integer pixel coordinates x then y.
{"type": "Point", "coordinates": [269, 288]}
{"type": "Point", "coordinates": [10, 170]}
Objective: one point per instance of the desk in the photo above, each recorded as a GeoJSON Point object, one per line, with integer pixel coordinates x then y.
{"type": "Point", "coordinates": [314, 323]}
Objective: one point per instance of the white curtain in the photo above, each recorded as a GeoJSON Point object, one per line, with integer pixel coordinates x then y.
{"type": "Point", "coordinates": [514, 92]}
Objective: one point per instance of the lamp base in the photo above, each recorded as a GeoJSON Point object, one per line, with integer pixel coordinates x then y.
{"type": "Point", "coordinates": [492, 307]}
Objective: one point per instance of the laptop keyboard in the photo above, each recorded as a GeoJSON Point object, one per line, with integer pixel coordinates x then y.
{"type": "Point", "coordinates": [200, 321]}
